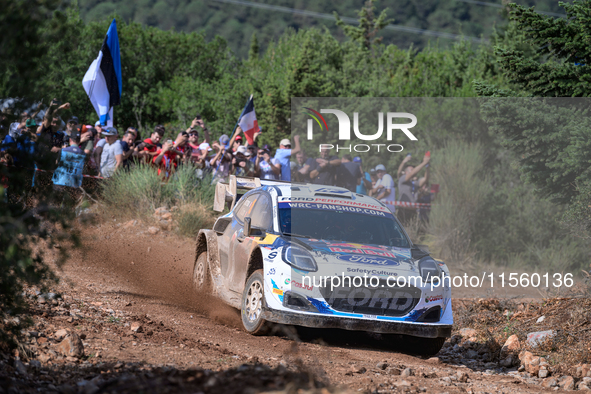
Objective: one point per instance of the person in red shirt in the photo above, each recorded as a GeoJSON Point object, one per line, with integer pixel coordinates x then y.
{"type": "Point", "coordinates": [152, 145]}
{"type": "Point", "coordinates": [168, 156]}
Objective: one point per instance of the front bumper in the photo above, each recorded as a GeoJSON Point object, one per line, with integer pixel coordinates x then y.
{"type": "Point", "coordinates": [384, 327]}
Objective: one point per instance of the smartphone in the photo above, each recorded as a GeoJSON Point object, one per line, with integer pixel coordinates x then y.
{"type": "Point", "coordinates": [428, 154]}
{"type": "Point", "coordinates": [58, 102]}
{"type": "Point", "coordinates": [409, 155]}
{"type": "Point", "coordinates": [169, 141]}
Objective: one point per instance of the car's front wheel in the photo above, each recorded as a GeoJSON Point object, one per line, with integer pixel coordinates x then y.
{"type": "Point", "coordinates": [253, 300]}
{"type": "Point", "coordinates": [201, 276]}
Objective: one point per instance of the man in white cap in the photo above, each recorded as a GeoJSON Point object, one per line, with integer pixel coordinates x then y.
{"type": "Point", "coordinates": [384, 189]}
{"type": "Point", "coordinates": [241, 164]}
{"type": "Point", "coordinates": [283, 154]}
{"type": "Point", "coordinates": [112, 153]}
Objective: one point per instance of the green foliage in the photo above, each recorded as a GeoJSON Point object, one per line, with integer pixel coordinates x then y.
{"type": "Point", "coordinates": [369, 26]}
{"type": "Point", "coordinates": [550, 138]}
{"type": "Point", "coordinates": [236, 23]}
{"type": "Point", "coordinates": [26, 232]}
{"type": "Point", "coordinates": [137, 192]}
{"type": "Point", "coordinates": [22, 44]}
{"type": "Point", "coordinates": [564, 48]}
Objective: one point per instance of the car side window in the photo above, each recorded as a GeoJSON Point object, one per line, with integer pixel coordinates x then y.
{"type": "Point", "coordinates": [245, 207]}
{"type": "Point", "coordinates": [262, 214]}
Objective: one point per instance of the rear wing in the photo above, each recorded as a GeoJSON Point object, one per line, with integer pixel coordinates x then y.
{"type": "Point", "coordinates": [231, 191]}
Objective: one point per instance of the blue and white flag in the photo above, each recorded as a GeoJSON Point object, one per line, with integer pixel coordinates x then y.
{"type": "Point", "coordinates": [102, 81]}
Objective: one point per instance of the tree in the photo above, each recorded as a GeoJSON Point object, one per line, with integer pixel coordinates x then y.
{"type": "Point", "coordinates": [550, 137]}
{"type": "Point", "coordinates": [369, 25]}
{"type": "Point", "coordinates": [24, 27]}
{"type": "Point", "coordinates": [564, 43]}
{"type": "Point", "coordinates": [253, 53]}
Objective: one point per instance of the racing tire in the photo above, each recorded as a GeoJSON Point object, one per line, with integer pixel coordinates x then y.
{"type": "Point", "coordinates": [201, 275]}
{"type": "Point", "coordinates": [253, 300]}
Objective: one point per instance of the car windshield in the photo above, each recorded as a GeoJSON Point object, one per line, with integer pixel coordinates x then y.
{"type": "Point", "coordinates": [378, 228]}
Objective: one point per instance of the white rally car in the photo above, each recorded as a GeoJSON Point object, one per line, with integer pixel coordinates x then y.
{"type": "Point", "coordinates": [320, 256]}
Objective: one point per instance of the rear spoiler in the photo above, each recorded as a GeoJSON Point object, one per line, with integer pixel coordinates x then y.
{"type": "Point", "coordinates": [229, 192]}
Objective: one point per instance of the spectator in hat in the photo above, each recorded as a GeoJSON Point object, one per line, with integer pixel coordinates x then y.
{"type": "Point", "coordinates": [241, 164]}
{"type": "Point", "coordinates": [267, 167]}
{"type": "Point", "coordinates": [193, 146]}
{"type": "Point", "coordinates": [253, 149]}
{"type": "Point", "coordinates": [365, 185]}
{"type": "Point", "coordinates": [68, 173]}
{"type": "Point", "coordinates": [283, 155]}
{"type": "Point", "coordinates": [198, 123]}
{"type": "Point", "coordinates": [112, 153]}
{"type": "Point", "coordinates": [203, 163]}
{"type": "Point", "coordinates": [384, 189]}
{"type": "Point", "coordinates": [237, 143]}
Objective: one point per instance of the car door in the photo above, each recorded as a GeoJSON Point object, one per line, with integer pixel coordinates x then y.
{"type": "Point", "coordinates": [261, 217]}
{"type": "Point", "coordinates": [228, 240]}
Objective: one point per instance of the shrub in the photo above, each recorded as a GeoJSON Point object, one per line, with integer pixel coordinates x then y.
{"type": "Point", "coordinates": [138, 191]}
{"type": "Point", "coordinates": [460, 172]}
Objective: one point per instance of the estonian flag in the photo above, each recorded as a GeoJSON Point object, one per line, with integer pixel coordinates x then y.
{"type": "Point", "coordinates": [248, 121]}
{"type": "Point", "coordinates": [102, 81]}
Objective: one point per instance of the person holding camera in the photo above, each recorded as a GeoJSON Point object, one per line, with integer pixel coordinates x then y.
{"type": "Point", "coordinates": [241, 164]}
{"type": "Point", "coordinates": [267, 167]}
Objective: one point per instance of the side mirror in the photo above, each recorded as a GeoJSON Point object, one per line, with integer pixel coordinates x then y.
{"type": "Point", "coordinates": [423, 248]}
{"type": "Point", "coordinates": [247, 229]}
{"type": "Point", "coordinates": [419, 251]}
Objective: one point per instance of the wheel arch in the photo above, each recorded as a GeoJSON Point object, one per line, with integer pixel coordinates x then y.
{"type": "Point", "coordinates": [255, 262]}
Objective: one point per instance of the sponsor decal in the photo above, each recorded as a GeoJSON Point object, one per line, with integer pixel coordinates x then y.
{"type": "Point", "coordinates": [298, 284]}
{"type": "Point", "coordinates": [352, 258]}
{"type": "Point", "coordinates": [272, 255]}
{"type": "Point", "coordinates": [334, 207]}
{"type": "Point", "coordinates": [329, 200]}
{"type": "Point", "coordinates": [371, 316]}
{"type": "Point", "coordinates": [277, 291]}
{"type": "Point", "coordinates": [271, 271]}
{"type": "Point", "coordinates": [434, 298]}
{"type": "Point", "coordinates": [372, 272]}
{"type": "Point", "coordinates": [372, 252]}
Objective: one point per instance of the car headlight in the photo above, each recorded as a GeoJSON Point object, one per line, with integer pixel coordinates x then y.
{"type": "Point", "coordinates": [299, 258]}
{"type": "Point", "coordinates": [428, 269]}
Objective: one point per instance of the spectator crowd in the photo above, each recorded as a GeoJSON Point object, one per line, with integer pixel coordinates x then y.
{"type": "Point", "coordinates": [67, 151]}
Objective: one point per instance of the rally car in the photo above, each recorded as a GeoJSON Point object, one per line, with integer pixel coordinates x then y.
{"type": "Point", "coordinates": [321, 256]}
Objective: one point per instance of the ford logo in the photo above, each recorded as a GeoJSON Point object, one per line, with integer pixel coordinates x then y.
{"type": "Point", "coordinates": [366, 260]}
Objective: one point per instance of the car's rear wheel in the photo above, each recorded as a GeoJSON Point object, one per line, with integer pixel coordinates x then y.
{"type": "Point", "coordinates": [201, 276]}
{"type": "Point", "coordinates": [253, 300]}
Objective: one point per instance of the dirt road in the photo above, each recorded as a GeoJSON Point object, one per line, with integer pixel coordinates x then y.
{"type": "Point", "coordinates": [128, 276]}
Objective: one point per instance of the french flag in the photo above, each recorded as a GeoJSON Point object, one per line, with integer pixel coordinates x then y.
{"type": "Point", "coordinates": [248, 121]}
{"type": "Point", "coordinates": [102, 81]}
